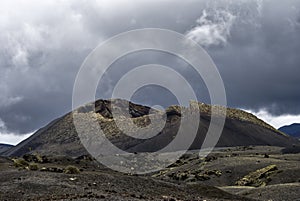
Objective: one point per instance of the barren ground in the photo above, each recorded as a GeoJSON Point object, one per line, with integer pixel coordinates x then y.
{"type": "Point", "coordinates": [191, 178]}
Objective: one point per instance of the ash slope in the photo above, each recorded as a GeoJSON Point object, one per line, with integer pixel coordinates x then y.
{"type": "Point", "coordinates": [60, 137]}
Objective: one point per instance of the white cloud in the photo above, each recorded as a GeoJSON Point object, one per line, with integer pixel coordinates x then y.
{"type": "Point", "coordinates": [213, 28]}
{"type": "Point", "coordinates": [9, 138]}
{"type": "Point", "coordinates": [215, 25]}
{"type": "Point", "coordinates": [276, 121]}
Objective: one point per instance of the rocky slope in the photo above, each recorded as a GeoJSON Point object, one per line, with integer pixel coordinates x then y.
{"type": "Point", "coordinates": [60, 137]}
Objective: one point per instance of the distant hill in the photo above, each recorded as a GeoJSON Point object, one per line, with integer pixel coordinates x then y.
{"type": "Point", "coordinates": [60, 138]}
{"type": "Point", "coordinates": [292, 130]}
{"type": "Point", "coordinates": [4, 147]}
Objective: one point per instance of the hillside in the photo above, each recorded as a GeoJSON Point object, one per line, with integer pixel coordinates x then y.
{"type": "Point", "coordinates": [292, 130]}
{"type": "Point", "coordinates": [60, 137]}
{"type": "Point", "coordinates": [5, 147]}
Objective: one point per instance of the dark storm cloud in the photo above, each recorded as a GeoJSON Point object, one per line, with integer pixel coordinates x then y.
{"type": "Point", "coordinates": [44, 43]}
{"type": "Point", "coordinates": [255, 45]}
{"type": "Point", "coordinates": [260, 64]}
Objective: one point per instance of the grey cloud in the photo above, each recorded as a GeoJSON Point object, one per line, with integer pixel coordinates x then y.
{"type": "Point", "coordinates": [44, 43]}
{"type": "Point", "coordinates": [260, 66]}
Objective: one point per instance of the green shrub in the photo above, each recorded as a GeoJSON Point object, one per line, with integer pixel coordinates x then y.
{"type": "Point", "coordinates": [39, 158]}
{"type": "Point", "coordinates": [33, 158]}
{"type": "Point", "coordinates": [20, 162]}
{"type": "Point", "coordinates": [71, 170]}
{"type": "Point", "coordinates": [33, 166]}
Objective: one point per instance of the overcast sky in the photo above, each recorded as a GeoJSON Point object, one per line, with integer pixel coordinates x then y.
{"type": "Point", "coordinates": [254, 43]}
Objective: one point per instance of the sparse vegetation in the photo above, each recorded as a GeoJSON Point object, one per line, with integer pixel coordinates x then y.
{"type": "Point", "coordinates": [33, 166]}
{"type": "Point", "coordinates": [20, 163]}
{"type": "Point", "coordinates": [71, 170]}
{"type": "Point", "coordinates": [258, 178]}
{"type": "Point", "coordinates": [37, 158]}
{"type": "Point", "coordinates": [192, 176]}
